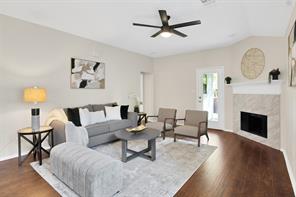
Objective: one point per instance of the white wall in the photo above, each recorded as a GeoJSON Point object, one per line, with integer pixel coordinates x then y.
{"type": "Point", "coordinates": [148, 98]}
{"type": "Point", "coordinates": [175, 80]}
{"type": "Point", "coordinates": [34, 55]}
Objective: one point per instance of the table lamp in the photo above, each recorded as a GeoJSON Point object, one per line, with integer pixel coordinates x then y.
{"type": "Point", "coordinates": [35, 95]}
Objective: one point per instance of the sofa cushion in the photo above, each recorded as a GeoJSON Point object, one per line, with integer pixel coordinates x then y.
{"type": "Point", "coordinates": [98, 128]}
{"type": "Point", "coordinates": [73, 116]}
{"type": "Point", "coordinates": [113, 113]}
{"type": "Point", "coordinates": [98, 107]}
{"type": "Point", "coordinates": [124, 111]}
{"type": "Point", "coordinates": [119, 124]}
{"type": "Point", "coordinates": [89, 107]}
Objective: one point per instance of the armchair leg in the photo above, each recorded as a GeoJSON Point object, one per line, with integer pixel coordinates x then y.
{"type": "Point", "coordinates": [208, 137]}
{"type": "Point", "coordinates": [163, 135]}
{"type": "Point", "coordinates": [174, 137]}
{"type": "Point", "coordinates": [198, 142]}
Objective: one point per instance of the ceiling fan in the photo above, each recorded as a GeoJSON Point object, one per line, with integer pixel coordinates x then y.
{"type": "Point", "coordinates": [167, 30]}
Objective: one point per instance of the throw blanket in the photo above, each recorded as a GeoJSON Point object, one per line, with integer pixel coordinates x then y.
{"type": "Point", "coordinates": [56, 114]}
{"type": "Point", "coordinates": [73, 134]}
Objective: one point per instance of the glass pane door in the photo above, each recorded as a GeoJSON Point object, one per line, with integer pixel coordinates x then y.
{"type": "Point", "coordinates": [210, 96]}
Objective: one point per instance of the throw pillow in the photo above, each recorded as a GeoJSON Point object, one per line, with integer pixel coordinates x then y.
{"type": "Point", "coordinates": [85, 118]}
{"type": "Point", "coordinates": [97, 117]}
{"type": "Point", "coordinates": [113, 113]}
{"type": "Point", "coordinates": [124, 111]}
{"type": "Point", "coordinates": [73, 116]}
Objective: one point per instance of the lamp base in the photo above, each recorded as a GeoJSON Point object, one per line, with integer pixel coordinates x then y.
{"type": "Point", "coordinates": [35, 124]}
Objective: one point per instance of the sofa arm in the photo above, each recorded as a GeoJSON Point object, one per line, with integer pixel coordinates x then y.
{"type": "Point", "coordinates": [133, 116]}
{"type": "Point", "coordinates": [59, 135]}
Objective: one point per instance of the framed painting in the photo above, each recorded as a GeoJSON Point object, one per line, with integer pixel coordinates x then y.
{"type": "Point", "coordinates": [292, 56]}
{"type": "Point", "coordinates": [87, 74]}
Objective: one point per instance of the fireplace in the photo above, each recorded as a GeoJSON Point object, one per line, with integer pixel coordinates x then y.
{"type": "Point", "coordinates": [254, 123]}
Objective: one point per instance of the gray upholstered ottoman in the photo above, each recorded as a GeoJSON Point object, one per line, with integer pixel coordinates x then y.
{"type": "Point", "coordinates": [87, 172]}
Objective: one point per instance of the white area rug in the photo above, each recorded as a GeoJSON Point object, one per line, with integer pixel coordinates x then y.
{"type": "Point", "coordinates": [174, 165]}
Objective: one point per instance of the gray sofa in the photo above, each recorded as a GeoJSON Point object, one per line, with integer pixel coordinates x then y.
{"type": "Point", "coordinates": [87, 172]}
{"type": "Point", "coordinates": [98, 133]}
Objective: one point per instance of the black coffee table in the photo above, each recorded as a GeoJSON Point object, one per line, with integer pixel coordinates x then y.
{"type": "Point", "coordinates": [148, 134]}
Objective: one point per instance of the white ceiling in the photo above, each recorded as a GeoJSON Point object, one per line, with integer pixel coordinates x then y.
{"type": "Point", "coordinates": [110, 21]}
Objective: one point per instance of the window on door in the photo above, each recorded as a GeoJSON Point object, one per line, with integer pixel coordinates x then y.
{"type": "Point", "coordinates": [210, 95]}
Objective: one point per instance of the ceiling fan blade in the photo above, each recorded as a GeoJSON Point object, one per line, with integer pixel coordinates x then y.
{"type": "Point", "coordinates": [156, 34]}
{"type": "Point", "coordinates": [164, 17]}
{"type": "Point", "coordinates": [198, 22]}
{"type": "Point", "coordinates": [144, 25]}
{"type": "Point", "coordinates": [178, 33]}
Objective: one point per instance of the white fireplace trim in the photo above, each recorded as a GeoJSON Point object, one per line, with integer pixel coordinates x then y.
{"type": "Point", "coordinates": [258, 87]}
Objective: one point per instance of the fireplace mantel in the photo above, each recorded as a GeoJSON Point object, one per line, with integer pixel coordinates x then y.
{"type": "Point", "coordinates": [258, 87]}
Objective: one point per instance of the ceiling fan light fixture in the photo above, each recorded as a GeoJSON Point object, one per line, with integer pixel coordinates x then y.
{"type": "Point", "coordinates": [166, 34]}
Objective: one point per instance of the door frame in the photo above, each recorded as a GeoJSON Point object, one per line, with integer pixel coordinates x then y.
{"type": "Point", "coordinates": [220, 71]}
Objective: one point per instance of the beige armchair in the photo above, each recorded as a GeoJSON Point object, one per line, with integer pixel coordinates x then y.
{"type": "Point", "coordinates": [166, 120]}
{"type": "Point", "coordinates": [195, 125]}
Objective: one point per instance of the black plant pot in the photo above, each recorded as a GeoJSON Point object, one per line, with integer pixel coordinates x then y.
{"type": "Point", "coordinates": [275, 77]}
{"type": "Point", "coordinates": [136, 109]}
{"type": "Point", "coordinates": [274, 74]}
{"type": "Point", "coordinates": [228, 80]}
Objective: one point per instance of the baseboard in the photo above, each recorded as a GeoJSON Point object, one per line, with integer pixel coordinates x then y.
{"type": "Point", "coordinates": [227, 130]}
{"type": "Point", "coordinates": [290, 171]}
{"type": "Point", "coordinates": [10, 157]}
{"type": "Point", "coordinates": [16, 155]}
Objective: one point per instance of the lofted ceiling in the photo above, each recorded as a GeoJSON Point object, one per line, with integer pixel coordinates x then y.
{"type": "Point", "coordinates": [224, 22]}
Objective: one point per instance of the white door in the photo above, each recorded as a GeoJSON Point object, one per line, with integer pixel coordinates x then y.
{"type": "Point", "coordinates": [210, 94]}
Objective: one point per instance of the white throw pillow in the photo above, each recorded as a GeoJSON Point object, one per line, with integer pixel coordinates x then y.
{"type": "Point", "coordinates": [84, 117]}
{"type": "Point", "coordinates": [113, 113]}
{"type": "Point", "coordinates": [97, 117]}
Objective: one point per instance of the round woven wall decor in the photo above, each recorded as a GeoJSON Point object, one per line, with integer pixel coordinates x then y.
{"type": "Point", "coordinates": [253, 63]}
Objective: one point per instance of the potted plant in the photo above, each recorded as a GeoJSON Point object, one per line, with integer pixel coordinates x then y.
{"type": "Point", "coordinates": [136, 102]}
{"type": "Point", "coordinates": [274, 74]}
{"type": "Point", "coordinates": [228, 80]}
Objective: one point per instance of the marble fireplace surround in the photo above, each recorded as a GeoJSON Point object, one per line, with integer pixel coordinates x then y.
{"type": "Point", "coordinates": [259, 98]}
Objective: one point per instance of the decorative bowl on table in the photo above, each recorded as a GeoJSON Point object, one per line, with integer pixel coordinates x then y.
{"type": "Point", "coordinates": [137, 129]}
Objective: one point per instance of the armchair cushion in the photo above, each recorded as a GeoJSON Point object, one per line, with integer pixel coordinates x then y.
{"type": "Point", "coordinates": [164, 113]}
{"type": "Point", "coordinates": [187, 130]}
{"type": "Point", "coordinates": [193, 117]}
{"type": "Point", "coordinates": [159, 126]}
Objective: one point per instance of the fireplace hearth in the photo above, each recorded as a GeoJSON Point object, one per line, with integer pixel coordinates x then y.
{"type": "Point", "coordinates": [254, 123]}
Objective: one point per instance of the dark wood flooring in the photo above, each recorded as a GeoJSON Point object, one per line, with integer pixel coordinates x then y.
{"type": "Point", "coordinates": [238, 167]}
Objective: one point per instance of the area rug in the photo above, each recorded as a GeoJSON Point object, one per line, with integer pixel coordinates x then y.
{"type": "Point", "coordinates": [174, 165]}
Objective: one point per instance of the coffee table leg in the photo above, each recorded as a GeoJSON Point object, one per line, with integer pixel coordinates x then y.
{"type": "Point", "coordinates": [153, 149]}
{"type": "Point", "coordinates": [124, 150]}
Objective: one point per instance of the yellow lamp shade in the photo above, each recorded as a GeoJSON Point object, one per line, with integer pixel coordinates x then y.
{"type": "Point", "coordinates": [34, 95]}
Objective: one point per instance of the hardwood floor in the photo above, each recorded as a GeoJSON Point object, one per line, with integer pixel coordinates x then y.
{"type": "Point", "coordinates": [238, 167]}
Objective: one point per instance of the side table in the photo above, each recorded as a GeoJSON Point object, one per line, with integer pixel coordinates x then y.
{"type": "Point", "coordinates": [36, 142]}
{"type": "Point", "coordinates": [141, 116]}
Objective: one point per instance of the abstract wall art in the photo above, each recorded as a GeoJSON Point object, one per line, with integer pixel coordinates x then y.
{"type": "Point", "coordinates": [86, 74]}
{"type": "Point", "coordinates": [292, 56]}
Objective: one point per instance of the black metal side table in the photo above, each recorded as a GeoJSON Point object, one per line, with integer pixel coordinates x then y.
{"type": "Point", "coordinates": [36, 142]}
{"type": "Point", "coordinates": [141, 116]}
